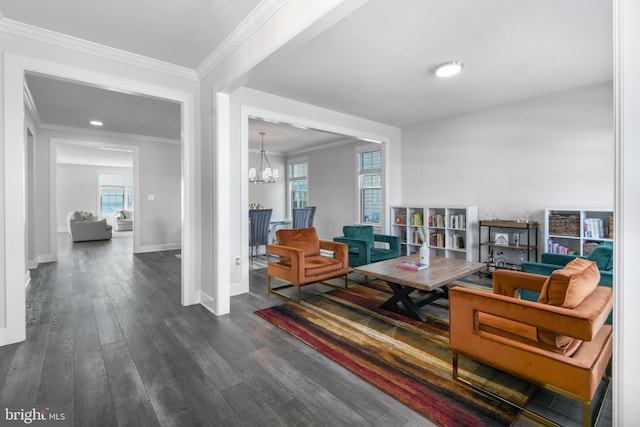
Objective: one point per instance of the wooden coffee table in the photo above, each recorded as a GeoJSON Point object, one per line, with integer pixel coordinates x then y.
{"type": "Point", "coordinates": [433, 281]}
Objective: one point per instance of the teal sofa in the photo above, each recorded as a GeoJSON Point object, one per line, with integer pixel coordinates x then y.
{"type": "Point", "coordinates": [362, 250]}
{"type": "Point", "coordinates": [602, 255]}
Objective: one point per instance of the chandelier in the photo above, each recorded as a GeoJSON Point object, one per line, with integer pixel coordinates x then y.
{"type": "Point", "coordinates": [261, 172]}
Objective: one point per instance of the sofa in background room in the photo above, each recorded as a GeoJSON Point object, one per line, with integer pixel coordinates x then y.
{"type": "Point", "coordinates": [84, 226]}
{"type": "Point", "coordinates": [123, 220]}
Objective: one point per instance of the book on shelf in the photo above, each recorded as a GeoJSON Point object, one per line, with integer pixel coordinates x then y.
{"type": "Point", "coordinates": [436, 239]}
{"type": "Point", "coordinates": [593, 228]}
{"type": "Point", "coordinates": [437, 221]}
{"type": "Point", "coordinates": [457, 222]}
{"type": "Point", "coordinates": [401, 216]}
{"type": "Point", "coordinates": [557, 248]}
{"type": "Point", "coordinates": [610, 234]}
{"type": "Point", "coordinates": [456, 241]}
{"type": "Point", "coordinates": [416, 219]}
{"type": "Point", "coordinates": [409, 265]}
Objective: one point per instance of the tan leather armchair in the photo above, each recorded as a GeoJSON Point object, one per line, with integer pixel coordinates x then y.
{"type": "Point", "coordinates": [560, 342]}
{"type": "Point", "coordinates": [300, 261]}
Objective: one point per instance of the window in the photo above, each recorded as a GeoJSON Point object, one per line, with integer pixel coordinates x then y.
{"type": "Point", "coordinates": [298, 188]}
{"type": "Point", "coordinates": [370, 186]}
{"type": "Point", "coordinates": [116, 192]}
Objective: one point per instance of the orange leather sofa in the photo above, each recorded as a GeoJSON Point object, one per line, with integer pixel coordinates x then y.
{"type": "Point", "coordinates": [300, 261]}
{"type": "Point", "coordinates": [560, 342]}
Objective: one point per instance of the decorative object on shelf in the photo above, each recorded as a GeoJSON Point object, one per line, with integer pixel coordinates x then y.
{"type": "Point", "coordinates": [564, 224]}
{"type": "Point", "coordinates": [492, 215]}
{"type": "Point", "coordinates": [261, 172]}
{"type": "Point", "coordinates": [255, 206]}
{"type": "Point", "coordinates": [502, 239]}
{"type": "Point", "coordinates": [424, 255]}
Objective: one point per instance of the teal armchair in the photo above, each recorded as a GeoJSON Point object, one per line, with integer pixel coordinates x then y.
{"type": "Point", "coordinates": [362, 250]}
{"type": "Point", "coordinates": [602, 255]}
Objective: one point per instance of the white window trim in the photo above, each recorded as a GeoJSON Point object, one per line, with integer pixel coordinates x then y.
{"type": "Point", "coordinates": [291, 162]}
{"type": "Point", "coordinates": [358, 208]}
{"type": "Point", "coordinates": [113, 172]}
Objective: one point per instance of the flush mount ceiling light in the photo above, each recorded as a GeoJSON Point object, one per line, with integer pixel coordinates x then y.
{"type": "Point", "coordinates": [448, 69]}
{"type": "Point", "coordinates": [97, 123]}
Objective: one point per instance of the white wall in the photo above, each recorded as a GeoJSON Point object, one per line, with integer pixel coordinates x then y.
{"type": "Point", "coordinates": [77, 190]}
{"type": "Point", "coordinates": [158, 173]}
{"type": "Point", "coordinates": [158, 221]}
{"type": "Point", "coordinates": [549, 152]}
{"type": "Point", "coordinates": [271, 196]}
{"type": "Point", "coordinates": [333, 187]}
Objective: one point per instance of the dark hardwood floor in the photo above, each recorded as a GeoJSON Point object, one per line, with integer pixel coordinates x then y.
{"type": "Point", "coordinates": [108, 339]}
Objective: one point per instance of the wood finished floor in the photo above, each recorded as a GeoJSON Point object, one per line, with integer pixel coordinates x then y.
{"type": "Point", "coordinates": [107, 336]}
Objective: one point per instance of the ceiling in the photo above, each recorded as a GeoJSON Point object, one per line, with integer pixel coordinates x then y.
{"type": "Point", "coordinates": [74, 105]}
{"type": "Point", "coordinates": [183, 33]}
{"type": "Point", "coordinates": [377, 63]}
{"type": "Point", "coordinates": [285, 138]}
{"type": "Point", "coordinates": [374, 64]}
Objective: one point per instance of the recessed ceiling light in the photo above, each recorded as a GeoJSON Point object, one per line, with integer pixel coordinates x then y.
{"type": "Point", "coordinates": [448, 69]}
{"type": "Point", "coordinates": [96, 123]}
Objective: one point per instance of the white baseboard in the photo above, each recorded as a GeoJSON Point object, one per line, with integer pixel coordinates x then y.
{"type": "Point", "coordinates": [46, 258]}
{"type": "Point", "coordinates": [6, 337]}
{"type": "Point", "coordinates": [238, 289]}
{"type": "Point", "coordinates": [207, 302]}
{"type": "Point", "coordinates": [33, 264]}
{"type": "Point", "coordinates": [157, 248]}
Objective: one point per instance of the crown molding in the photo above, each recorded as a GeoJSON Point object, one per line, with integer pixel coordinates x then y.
{"type": "Point", "coordinates": [253, 21]}
{"type": "Point", "coordinates": [102, 133]}
{"type": "Point", "coordinates": [74, 43]}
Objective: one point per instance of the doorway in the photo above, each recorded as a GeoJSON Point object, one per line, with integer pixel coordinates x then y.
{"type": "Point", "coordinates": [15, 69]}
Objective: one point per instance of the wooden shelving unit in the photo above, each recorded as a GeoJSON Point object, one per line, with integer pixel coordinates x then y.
{"type": "Point", "coordinates": [518, 239]}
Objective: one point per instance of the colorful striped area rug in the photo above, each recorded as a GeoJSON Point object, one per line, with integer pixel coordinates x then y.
{"type": "Point", "coordinates": [407, 359]}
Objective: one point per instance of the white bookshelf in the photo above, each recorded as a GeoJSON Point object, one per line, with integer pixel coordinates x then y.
{"type": "Point", "coordinates": [576, 230]}
{"type": "Point", "coordinates": [450, 232]}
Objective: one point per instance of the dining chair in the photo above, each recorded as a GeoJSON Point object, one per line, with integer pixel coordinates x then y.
{"type": "Point", "coordinates": [301, 218]}
{"type": "Point", "coordinates": [312, 215]}
{"type": "Point", "coordinates": [259, 226]}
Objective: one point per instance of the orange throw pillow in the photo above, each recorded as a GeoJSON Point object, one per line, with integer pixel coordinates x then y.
{"type": "Point", "coordinates": [569, 286]}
